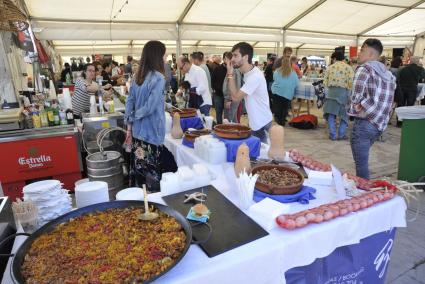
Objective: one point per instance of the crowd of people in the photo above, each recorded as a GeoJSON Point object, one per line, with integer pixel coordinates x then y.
{"type": "Point", "coordinates": [364, 90]}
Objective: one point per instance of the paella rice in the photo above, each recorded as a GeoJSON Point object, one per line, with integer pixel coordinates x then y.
{"type": "Point", "coordinates": [113, 246]}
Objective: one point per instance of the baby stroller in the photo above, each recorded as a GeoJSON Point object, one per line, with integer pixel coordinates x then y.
{"type": "Point", "coordinates": [319, 91]}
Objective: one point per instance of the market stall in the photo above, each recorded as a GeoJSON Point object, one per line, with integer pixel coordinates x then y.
{"type": "Point", "coordinates": [355, 227]}
{"type": "Point", "coordinates": [270, 259]}
{"type": "Point", "coordinates": [212, 222]}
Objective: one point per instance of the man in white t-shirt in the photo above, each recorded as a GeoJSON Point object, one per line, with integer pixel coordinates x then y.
{"type": "Point", "coordinates": [254, 89]}
{"type": "Point", "coordinates": [197, 78]}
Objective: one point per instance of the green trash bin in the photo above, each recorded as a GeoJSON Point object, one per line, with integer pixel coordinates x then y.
{"type": "Point", "coordinates": [411, 165]}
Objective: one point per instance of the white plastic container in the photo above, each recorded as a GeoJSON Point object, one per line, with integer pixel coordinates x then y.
{"type": "Point", "coordinates": [197, 146]}
{"type": "Point", "coordinates": [185, 173]}
{"type": "Point", "coordinates": [217, 153]}
{"type": "Point", "coordinates": [188, 184]}
{"type": "Point", "coordinates": [202, 174]}
{"type": "Point", "coordinates": [170, 183]}
{"type": "Point", "coordinates": [200, 169]}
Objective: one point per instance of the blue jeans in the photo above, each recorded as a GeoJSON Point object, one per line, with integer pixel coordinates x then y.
{"type": "Point", "coordinates": [363, 135]}
{"type": "Point", "coordinates": [205, 110]}
{"type": "Point", "coordinates": [261, 133]}
{"type": "Point", "coordinates": [219, 106]}
{"type": "Point", "coordinates": [332, 127]}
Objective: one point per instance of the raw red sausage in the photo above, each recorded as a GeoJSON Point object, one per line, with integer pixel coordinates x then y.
{"type": "Point", "coordinates": [310, 216]}
{"type": "Point", "coordinates": [300, 221]}
{"type": "Point", "coordinates": [328, 215]}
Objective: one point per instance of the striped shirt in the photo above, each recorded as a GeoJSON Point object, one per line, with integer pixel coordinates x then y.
{"type": "Point", "coordinates": [81, 98]}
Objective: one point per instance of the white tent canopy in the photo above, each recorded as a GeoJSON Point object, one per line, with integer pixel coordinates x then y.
{"type": "Point", "coordinates": [123, 26]}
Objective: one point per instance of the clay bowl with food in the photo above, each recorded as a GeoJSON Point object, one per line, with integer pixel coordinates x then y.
{"type": "Point", "coordinates": [278, 179]}
{"type": "Point", "coordinates": [232, 131]}
{"type": "Point", "coordinates": [191, 135]}
{"type": "Point", "coordinates": [185, 112]}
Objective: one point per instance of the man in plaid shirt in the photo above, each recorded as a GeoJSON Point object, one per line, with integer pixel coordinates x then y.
{"type": "Point", "coordinates": [371, 100]}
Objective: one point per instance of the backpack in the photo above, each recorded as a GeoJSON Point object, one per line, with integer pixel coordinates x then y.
{"type": "Point", "coordinates": [305, 121]}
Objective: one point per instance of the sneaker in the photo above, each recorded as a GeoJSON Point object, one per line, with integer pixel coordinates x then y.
{"type": "Point", "coordinates": [343, 138]}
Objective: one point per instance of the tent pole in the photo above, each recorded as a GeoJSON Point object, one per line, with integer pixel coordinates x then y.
{"type": "Point", "coordinates": [283, 38]}
{"type": "Point", "coordinates": [277, 48]}
{"type": "Point", "coordinates": [178, 47]}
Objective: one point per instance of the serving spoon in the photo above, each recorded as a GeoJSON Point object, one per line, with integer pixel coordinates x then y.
{"type": "Point", "coordinates": [147, 216]}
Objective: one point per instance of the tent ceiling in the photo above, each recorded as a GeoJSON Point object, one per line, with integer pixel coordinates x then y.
{"type": "Point", "coordinates": [139, 10]}
{"type": "Point", "coordinates": [346, 17]}
{"type": "Point", "coordinates": [221, 22]}
{"type": "Point", "coordinates": [409, 23]}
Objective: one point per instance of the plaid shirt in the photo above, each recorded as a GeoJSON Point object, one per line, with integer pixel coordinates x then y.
{"type": "Point", "coordinates": [372, 96]}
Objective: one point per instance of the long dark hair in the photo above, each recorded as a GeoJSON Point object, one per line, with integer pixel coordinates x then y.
{"type": "Point", "coordinates": [151, 60]}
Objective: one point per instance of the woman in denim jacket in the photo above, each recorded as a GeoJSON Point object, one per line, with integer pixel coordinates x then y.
{"type": "Point", "coordinates": [145, 119]}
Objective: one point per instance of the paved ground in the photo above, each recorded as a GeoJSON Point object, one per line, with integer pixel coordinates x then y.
{"type": "Point", "coordinates": [408, 257]}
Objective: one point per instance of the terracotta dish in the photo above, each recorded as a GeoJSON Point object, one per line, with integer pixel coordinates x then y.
{"type": "Point", "coordinates": [232, 131]}
{"type": "Point", "coordinates": [185, 112]}
{"type": "Point", "coordinates": [192, 135]}
{"type": "Point", "coordinates": [278, 179]}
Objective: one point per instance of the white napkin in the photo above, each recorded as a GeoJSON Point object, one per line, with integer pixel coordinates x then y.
{"type": "Point", "coordinates": [266, 211]}
{"type": "Point", "coordinates": [319, 178]}
{"type": "Point", "coordinates": [246, 185]}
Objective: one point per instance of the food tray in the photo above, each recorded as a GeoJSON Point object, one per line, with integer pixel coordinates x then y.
{"type": "Point", "coordinates": [274, 189]}
{"type": "Point", "coordinates": [232, 131]}
{"type": "Point", "coordinates": [185, 112]}
{"type": "Point", "coordinates": [192, 135]}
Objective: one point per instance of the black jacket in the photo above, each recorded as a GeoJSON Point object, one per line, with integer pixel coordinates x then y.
{"type": "Point", "coordinates": [217, 78]}
{"type": "Point", "coordinates": [268, 73]}
{"type": "Point", "coordinates": [410, 76]}
{"type": "Point", "coordinates": [64, 72]}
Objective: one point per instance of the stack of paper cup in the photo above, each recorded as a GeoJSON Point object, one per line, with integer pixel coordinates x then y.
{"type": "Point", "coordinates": [91, 192]}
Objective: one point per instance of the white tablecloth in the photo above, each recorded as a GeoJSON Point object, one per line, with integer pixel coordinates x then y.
{"type": "Point", "coordinates": [267, 259]}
